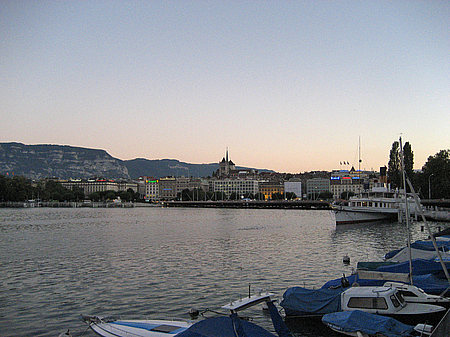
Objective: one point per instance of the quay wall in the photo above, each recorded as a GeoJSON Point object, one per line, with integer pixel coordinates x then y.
{"type": "Point", "coordinates": [67, 204]}
{"type": "Point", "coordinates": [282, 204]}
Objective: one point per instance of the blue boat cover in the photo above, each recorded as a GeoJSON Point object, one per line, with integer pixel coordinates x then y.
{"type": "Point", "coordinates": [372, 265]}
{"type": "Point", "coordinates": [422, 245]}
{"type": "Point", "coordinates": [229, 326]}
{"type": "Point", "coordinates": [420, 267]}
{"type": "Point", "coordinates": [431, 284]}
{"type": "Point", "coordinates": [298, 301]}
{"type": "Point", "coordinates": [371, 324]}
{"type": "Point", "coordinates": [392, 253]}
{"type": "Point", "coordinates": [428, 282]}
{"type": "Point", "coordinates": [336, 283]}
{"type": "Point", "coordinates": [278, 323]}
{"type": "Point", "coordinates": [151, 326]}
{"type": "Point", "coordinates": [428, 245]}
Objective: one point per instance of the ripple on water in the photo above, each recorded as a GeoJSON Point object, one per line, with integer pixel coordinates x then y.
{"type": "Point", "coordinates": [153, 262]}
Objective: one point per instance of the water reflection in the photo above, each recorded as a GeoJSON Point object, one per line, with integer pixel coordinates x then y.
{"type": "Point", "coordinates": [58, 263]}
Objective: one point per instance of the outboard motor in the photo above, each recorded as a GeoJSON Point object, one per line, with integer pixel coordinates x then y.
{"type": "Point", "coordinates": [344, 282]}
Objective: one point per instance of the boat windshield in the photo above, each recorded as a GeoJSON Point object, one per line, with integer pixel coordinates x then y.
{"type": "Point", "coordinates": [395, 301]}
{"type": "Point", "coordinates": [400, 298]}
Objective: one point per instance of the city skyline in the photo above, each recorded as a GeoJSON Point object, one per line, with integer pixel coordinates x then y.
{"type": "Point", "coordinates": [286, 86]}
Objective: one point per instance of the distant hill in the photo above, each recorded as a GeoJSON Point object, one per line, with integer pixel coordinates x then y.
{"type": "Point", "coordinates": [167, 167]}
{"type": "Point", "coordinates": [61, 161]}
{"type": "Point", "coordinates": [65, 162]}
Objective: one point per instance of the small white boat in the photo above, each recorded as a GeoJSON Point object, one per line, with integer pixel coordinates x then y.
{"type": "Point", "coordinates": [413, 294]}
{"type": "Point", "coordinates": [164, 328]}
{"type": "Point", "coordinates": [305, 303]}
{"type": "Point", "coordinates": [110, 327]}
{"type": "Point", "coordinates": [389, 302]}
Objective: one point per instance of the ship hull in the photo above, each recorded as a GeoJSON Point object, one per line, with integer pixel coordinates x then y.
{"type": "Point", "coordinates": [346, 217]}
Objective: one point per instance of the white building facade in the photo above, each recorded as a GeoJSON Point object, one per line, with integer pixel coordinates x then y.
{"type": "Point", "coordinates": [293, 187]}
{"type": "Point", "coordinates": [229, 186]}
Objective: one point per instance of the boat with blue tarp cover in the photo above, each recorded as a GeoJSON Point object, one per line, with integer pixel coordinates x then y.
{"type": "Point", "coordinates": [419, 266]}
{"type": "Point", "coordinates": [301, 303]}
{"type": "Point", "coordinates": [223, 326]}
{"type": "Point", "coordinates": [233, 326]}
{"type": "Point", "coordinates": [428, 283]}
{"type": "Point", "coordinates": [352, 322]}
{"type": "Point", "coordinates": [421, 249]}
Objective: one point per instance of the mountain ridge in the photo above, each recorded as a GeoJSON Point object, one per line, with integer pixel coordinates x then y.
{"type": "Point", "coordinates": [39, 161]}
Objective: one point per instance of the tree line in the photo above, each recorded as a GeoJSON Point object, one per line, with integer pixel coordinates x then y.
{"type": "Point", "coordinates": [433, 181]}
{"type": "Point", "coordinates": [199, 195]}
{"type": "Point", "coordinates": [19, 188]}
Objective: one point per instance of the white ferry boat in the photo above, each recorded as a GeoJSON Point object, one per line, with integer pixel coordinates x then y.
{"type": "Point", "coordinates": [380, 203]}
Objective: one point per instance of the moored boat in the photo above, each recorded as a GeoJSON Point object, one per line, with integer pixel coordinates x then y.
{"type": "Point", "coordinates": [221, 326]}
{"type": "Point", "coordinates": [413, 294]}
{"type": "Point", "coordinates": [380, 203]}
{"type": "Point", "coordinates": [305, 303]}
{"type": "Point", "coordinates": [359, 323]}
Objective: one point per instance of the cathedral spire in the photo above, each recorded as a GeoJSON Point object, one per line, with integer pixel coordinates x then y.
{"type": "Point", "coordinates": [227, 155]}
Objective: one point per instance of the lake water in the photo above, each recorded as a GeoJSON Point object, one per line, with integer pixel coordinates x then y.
{"type": "Point", "coordinates": [56, 264]}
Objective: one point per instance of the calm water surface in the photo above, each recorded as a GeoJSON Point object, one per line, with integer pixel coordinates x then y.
{"type": "Point", "coordinates": [159, 262]}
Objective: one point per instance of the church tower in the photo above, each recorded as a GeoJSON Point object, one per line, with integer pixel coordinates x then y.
{"type": "Point", "coordinates": [226, 166]}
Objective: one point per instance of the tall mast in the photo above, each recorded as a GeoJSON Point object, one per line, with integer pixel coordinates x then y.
{"type": "Point", "coordinates": [359, 154]}
{"type": "Point", "coordinates": [406, 210]}
{"type": "Point", "coordinates": [359, 163]}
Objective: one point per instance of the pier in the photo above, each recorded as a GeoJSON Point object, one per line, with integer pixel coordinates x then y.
{"type": "Point", "coordinates": [436, 209]}
{"type": "Point", "coordinates": [253, 204]}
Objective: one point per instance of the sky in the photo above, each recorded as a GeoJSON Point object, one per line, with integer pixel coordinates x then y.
{"type": "Point", "coordinates": [291, 86]}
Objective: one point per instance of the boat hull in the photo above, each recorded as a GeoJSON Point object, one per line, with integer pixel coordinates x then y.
{"type": "Point", "coordinates": [139, 328]}
{"type": "Point", "coordinates": [433, 318]}
{"type": "Point", "coordinates": [347, 217]}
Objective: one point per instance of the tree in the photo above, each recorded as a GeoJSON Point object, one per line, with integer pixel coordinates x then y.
{"type": "Point", "coordinates": [408, 158]}
{"type": "Point", "coordinates": [436, 172]}
{"type": "Point", "coordinates": [277, 196]}
{"type": "Point", "coordinates": [219, 196]}
{"type": "Point", "coordinates": [394, 166]}
{"type": "Point", "coordinates": [259, 196]}
{"type": "Point", "coordinates": [234, 196]}
{"type": "Point", "coordinates": [326, 195]}
{"type": "Point", "coordinates": [186, 195]}
{"type": "Point", "coordinates": [347, 194]}
{"type": "Point", "coordinates": [290, 195]}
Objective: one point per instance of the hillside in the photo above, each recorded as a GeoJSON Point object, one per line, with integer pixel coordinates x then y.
{"type": "Point", "coordinates": [167, 167]}
{"type": "Point", "coordinates": [61, 161]}
{"type": "Point", "coordinates": [65, 162]}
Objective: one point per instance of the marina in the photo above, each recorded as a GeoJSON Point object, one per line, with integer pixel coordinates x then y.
{"type": "Point", "coordinates": [58, 263]}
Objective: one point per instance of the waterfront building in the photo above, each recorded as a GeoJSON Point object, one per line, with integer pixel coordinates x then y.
{"type": "Point", "coordinates": [99, 185]}
{"type": "Point", "coordinates": [293, 186]}
{"type": "Point", "coordinates": [167, 188]}
{"type": "Point", "coordinates": [182, 183]}
{"type": "Point", "coordinates": [126, 185]}
{"type": "Point", "coordinates": [151, 190]}
{"type": "Point", "coordinates": [351, 181]}
{"type": "Point", "coordinates": [342, 185]}
{"type": "Point", "coordinates": [315, 186]}
{"type": "Point", "coordinates": [228, 186]}
{"type": "Point", "coordinates": [269, 188]}
{"type": "Point", "coordinates": [198, 183]}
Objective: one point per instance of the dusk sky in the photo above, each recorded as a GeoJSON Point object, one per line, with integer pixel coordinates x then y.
{"type": "Point", "coordinates": [285, 85]}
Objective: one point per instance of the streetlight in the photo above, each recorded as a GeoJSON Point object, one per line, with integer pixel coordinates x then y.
{"type": "Point", "coordinates": [429, 185]}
